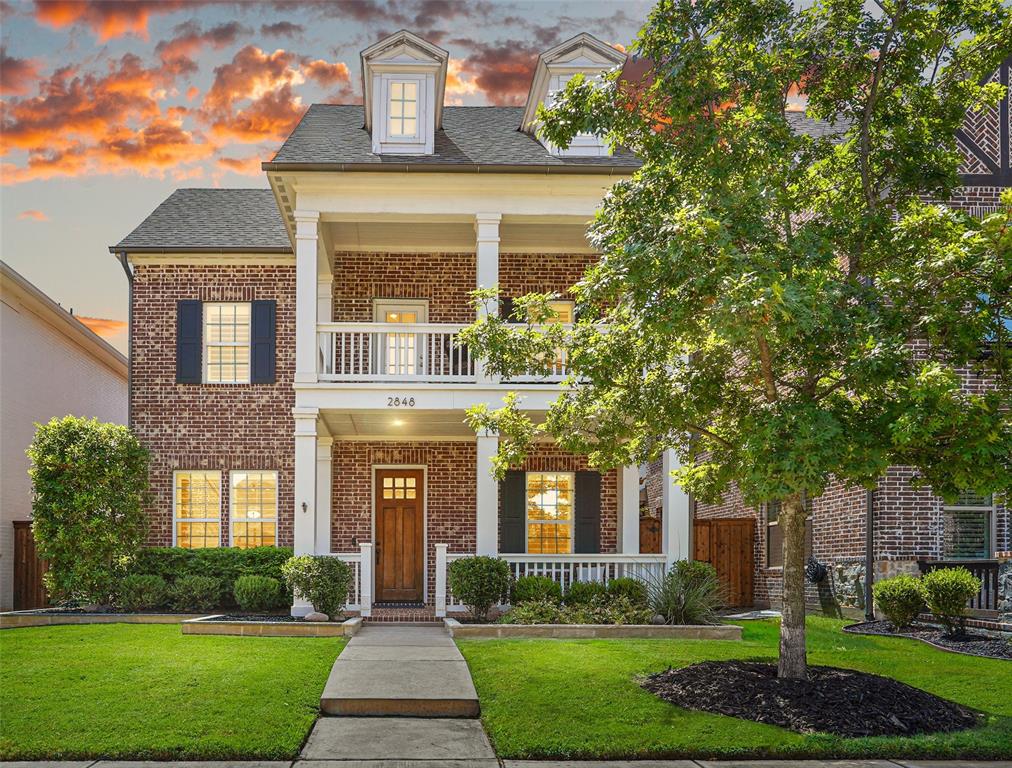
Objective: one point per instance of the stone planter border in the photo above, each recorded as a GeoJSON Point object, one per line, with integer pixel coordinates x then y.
{"type": "Point", "coordinates": [16, 619]}
{"type": "Point", "coordinates": [603, 631]}
{"type": "Point", "coordinates": [204, 626]}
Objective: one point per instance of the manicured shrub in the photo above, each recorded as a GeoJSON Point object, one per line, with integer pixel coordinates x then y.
{"type": "Point", "coordinates": [687, 594]}
{"type": "Point", "coordinates": [533, 612]}
{"type": "Point", "coordinates": [320, 580]}
{"type": "Point", "coordinates": [90, 486]}
{"type": "Point", "coordinates": [900, 598]}
{"type": "Point", "coordinates": [142, 592]}
{"type": "Point", "coordinates": [582, 592]}
{"type": "Point", "coordinates": [529, 589]}
{"type": "Point", "coordinates": [947, 591]}
{"type": "Point", "coordinates": [226, 564]}
{"type": "Point", "coordinates": [479, 583]}
{"type": "Point", "coordinates": [601, 609]}
{"type": "Point", "coordinates": [257, 593]}
{"type": "Point", "coordinates": [196, 594]}
{"type": "Point", "coordinates": [634, 590]}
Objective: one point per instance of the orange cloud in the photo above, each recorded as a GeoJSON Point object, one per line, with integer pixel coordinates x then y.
{"type": "Point", "coordinates": [17, 76]}
{"type": "Point", "coordinates": [107, 19]}
{"type": "Point", "coordinates": [327, 73]}
{"type": "Point", "coordinates": [246, 166]}
{"type": "Point", "coordinates": [102, 326]}
{"type": "Point", "coordinates": [502, 71]}
{"type": "Point", "coordinates": [34, 215]}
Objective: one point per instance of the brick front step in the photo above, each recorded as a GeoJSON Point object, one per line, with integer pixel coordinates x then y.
{"type": "Point", "coordinates": [423, 614]}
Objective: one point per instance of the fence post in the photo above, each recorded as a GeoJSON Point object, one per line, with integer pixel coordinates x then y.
{"type": "Point", "coordinates": [365, 571]}
{"type": "Point", "coordinates": [440, 580]}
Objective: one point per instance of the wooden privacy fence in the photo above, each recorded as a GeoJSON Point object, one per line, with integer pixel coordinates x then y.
{"type": "Point", "coordinates": [28, 569]}
{"type": "Point", "coordinates": [728, 546]}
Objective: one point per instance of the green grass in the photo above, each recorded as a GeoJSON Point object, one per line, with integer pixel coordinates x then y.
{"type": "Point", "coordinates": [150, 692]}
{"type": "Point", "coordinates": [580, 698]}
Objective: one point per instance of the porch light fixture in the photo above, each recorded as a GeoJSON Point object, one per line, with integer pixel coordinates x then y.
{"type": "Point", "coordinates": [397, 423]}
{"type": "Point", "coordinates": [305, 507]}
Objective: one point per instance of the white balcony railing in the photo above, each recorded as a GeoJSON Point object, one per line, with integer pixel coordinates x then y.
{"type": "Point", "coordinates": [360, 590]}
{"type": "Point", "coordinates": [404, 352]}
{"type": "Point", "coordinates": [564, 569]}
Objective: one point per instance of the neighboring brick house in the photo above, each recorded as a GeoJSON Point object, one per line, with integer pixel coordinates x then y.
{"type": "Point", "coordinates": [910, 524]}
{"type": "Point", "coordinates": [295, 371]}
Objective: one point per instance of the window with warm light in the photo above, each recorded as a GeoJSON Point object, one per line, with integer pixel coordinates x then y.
{"type": "Point", "coordinates": [400, 487]}
{"type": "Point", "coordinates": [253, 509]}
{"type": "Point", "coordinates": [227, 343]}
{"type": "Point", "coordinates": [197, 509]}
{"type": "Point", "coordinates": [402, 110]}
{"type": "Point", "coordinates": [550, 512]}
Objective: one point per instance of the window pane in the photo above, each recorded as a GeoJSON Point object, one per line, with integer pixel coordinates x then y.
{"type": "Point", "coordinates": [197, 535]}
{"type": "Point", "coordinates": [409, 127]}
{"type": "Point", "coordinates": [254, 508]}
{"type": "Point", "coordinates": [410, 91]}
{"type": "Point", "coordinates": [967, 534]}
{"type": "Point", "coordinates": [774, 548]}
{"type": "Point", "coordinates": [396, 90]}
{"type": "Point", "coordinates": [550, 507]}
{"type": "Point", "coordinates": [198, 495]}
{"type": "Point", "coordinates": [227, 336]}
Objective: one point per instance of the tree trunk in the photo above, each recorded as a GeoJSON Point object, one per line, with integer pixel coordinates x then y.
{"type": "Point", "coordinates": [793, 657]}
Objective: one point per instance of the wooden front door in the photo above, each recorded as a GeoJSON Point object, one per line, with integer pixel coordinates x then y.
{"type": "Point", "coordinates": [727, 546]}
{"type": "Point", "coordinates": [400, 522]}
{"type": "Point", "coordinates": [28, 570]}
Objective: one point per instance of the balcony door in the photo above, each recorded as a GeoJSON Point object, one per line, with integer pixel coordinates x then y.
{"type": "Point", "coordinates": [400, 354]}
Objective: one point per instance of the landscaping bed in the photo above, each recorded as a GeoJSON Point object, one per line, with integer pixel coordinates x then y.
{"type": "Point", "coordinates": [55, 616]}
{"type": "Point", "coordinates": [972, 643]}
{"type": "Point", "coordinates": [269, 625]}
{"type": "Point", "coordinates": [571, 631]}
{"type": "Point", "coordinates": [838, 701]}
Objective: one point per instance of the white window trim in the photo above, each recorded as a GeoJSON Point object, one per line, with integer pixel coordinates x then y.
{"type": "Point", "coordinates": [175, 516]}
{"type": "Point", "coordinates": [379, 309]}
{"type": "Point", "coordinates": [528, 519]}
{"type": "Point", "coordinates": [391, 144]}
{"type": "Point", "coordinates": [231, 503]}
{"type": "Point", "coordinates": [992, 524]}
{"type": "Point", "coordinates": [206, 358]}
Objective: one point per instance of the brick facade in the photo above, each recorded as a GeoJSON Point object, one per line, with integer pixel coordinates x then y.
{"type": "Point", "coordinates": [210, 426]}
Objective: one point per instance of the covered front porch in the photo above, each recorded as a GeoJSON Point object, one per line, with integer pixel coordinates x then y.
{"type": "Point", "coordinates": [400, 494]}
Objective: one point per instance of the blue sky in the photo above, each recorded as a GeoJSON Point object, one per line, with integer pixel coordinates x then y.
{"type": "Point", "coordinates": [109, 105]}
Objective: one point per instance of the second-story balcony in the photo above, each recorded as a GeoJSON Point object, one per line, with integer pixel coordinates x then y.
{"type": "Point", "coordinates": [406, 353]}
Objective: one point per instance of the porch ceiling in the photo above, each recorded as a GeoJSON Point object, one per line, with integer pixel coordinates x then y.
{"type": "Point", "coordinates": [516, 235]}
{"type": "Point", "coordinates": [401, 424]}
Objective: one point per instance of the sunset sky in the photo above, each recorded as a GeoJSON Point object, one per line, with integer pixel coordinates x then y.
{"type": "Point", "coordinates": [106, 107]}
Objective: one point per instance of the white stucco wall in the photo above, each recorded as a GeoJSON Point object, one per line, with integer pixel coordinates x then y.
{"type": "Point", "coordinates": [44, 372]}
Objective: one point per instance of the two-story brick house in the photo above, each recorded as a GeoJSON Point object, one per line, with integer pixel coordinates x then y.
{"type": "Point", "coordinates": [294, 367]}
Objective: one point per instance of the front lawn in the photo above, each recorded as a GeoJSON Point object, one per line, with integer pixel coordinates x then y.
{"type": "Point", "coordinates": [148, 691]}
{"type": "Point", "coordinates": [581, 699]}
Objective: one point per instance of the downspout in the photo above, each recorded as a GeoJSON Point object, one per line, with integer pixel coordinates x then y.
{"type": "Point", "coordinates": [122, 257]}
{"type": "Point", "coordinates": [869, 553]}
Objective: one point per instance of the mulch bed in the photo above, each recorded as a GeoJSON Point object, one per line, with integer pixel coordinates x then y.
{"type": "Point", "coordinates": [274, 618]}
{"type": "Point", "coordinates": [972, 643]}
{"type": "Point", "coordinates": [842, 702]}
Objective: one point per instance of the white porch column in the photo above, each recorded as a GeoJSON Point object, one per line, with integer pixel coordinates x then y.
{"type": "Point", "coordinates": [365, 578]}
{"type": "Point", "coordinates": [676, 523]}
{"type": "Point", "coordinates": [324, 479]}
{"type": "Point", "coordinates": [486, 228]}
{"type": "Point", "coordinates": [306, 278]}
{"type": "Point", "coordinates": [304, 527]}
{"type": "Point", "coordinates": [629, 510]}
{"type": "Point", "coordinates": [486, 497]}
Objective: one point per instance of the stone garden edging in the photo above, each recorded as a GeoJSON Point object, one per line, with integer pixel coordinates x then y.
{"type": "Point", "coordinates": [16, 619]}
{"type": "Point", "coordinates": [204, 626]}
{"type": "Point", "coordinates": [602, 631]}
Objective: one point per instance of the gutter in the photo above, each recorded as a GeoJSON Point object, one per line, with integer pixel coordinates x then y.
{"type": "Point", "coordinates": [565, 169]}
{"type": "Point", "coordinates": [869, 554]}
{"type": "Point", "coordinates": [121, 256]}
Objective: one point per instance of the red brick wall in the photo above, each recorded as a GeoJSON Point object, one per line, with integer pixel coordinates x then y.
{"type": "Point", "coordinates": [210, 426]}
{"type": "Point", "coordinates": [521, 273]}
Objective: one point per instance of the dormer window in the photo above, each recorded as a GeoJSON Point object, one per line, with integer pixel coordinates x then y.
{"type": "Point", "coordinates": [584, 55]}
{"type": "Point", "coordinates": [403, 78]}
{"type": "Point", "coordinates": [402, 110]}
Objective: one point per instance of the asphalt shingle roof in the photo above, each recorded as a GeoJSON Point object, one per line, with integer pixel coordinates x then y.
{"type": "Point", "coordinates": [333, 134]}
{"type": "Point", "coordinates": [211, 220]}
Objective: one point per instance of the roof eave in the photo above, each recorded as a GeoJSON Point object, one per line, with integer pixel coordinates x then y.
{"type": "Point", "coordinates": [565, 168]}
{"type": "Point", "coordinates": [191, 249]}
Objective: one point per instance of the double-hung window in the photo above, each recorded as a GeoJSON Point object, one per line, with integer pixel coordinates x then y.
{"type": "Point", "coordinates": [196, 508]}
{"type": "Point", "coordinates": [967, 531]}
{"type": "Point", "coordinates": [550, 497]}
{"type": "Point", "coordinates": [402, 109]}
{"type": "Point", "coordinates": [227, 343]}
{"type": "Point", "coordinates": [775, 538]}
{"type": "Point", "coordinates": [253, 508]}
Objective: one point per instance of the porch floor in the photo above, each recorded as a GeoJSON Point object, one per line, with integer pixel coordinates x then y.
{"type": "Point", "coordinates": [402, 613]}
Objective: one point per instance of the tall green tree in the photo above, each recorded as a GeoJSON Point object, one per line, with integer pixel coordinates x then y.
{"type": "Point", "coordinates": [89, 486]}
{"type": "Point", "coordinates": [783, 307]}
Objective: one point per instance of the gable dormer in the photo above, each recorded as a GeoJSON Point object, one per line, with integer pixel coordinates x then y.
{"type": "Point", "coordinates": [585, 55]}
{"type": "Point", "coordinates": [403, 81]}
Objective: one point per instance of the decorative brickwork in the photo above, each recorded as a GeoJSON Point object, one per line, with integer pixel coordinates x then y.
{"type": "Point", "coordinates": [210, 426]}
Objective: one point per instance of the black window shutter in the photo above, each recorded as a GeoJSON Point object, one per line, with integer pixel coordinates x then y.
{"type": "Point", "coordinates": [506, 309]}
{"type": "Point", "coordinates": [262, 342]}
{"type": "Point", "coordinates": [189, 341]}
{"type": "Point", "coordinates": [587, 505]}
{"type": "Point", "coordinates": [513, 514]}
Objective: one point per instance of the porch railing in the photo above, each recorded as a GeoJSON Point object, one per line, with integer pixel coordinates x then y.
{"type": "Point", "coordinates": [564, 569]}
{"type": "Point", "coordinates": [360, 589]}
{"type": "Point", "coordinates": [405, 352]}
{"type": "Point", "coordinates": [985, 570]}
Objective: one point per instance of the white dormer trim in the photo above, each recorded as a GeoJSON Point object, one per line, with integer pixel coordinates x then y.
{"type": "Point", "coordinates": [583, 54]}
{"type": "Point", "coordinates": [403, 58]}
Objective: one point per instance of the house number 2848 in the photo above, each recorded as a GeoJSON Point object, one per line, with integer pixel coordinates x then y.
{"type": "Point", "coordinates": [400, 402]}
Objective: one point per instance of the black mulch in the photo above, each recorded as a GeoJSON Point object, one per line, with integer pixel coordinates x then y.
{"type": "Point", "coordinates": [837, 701]}
{"type": "Point", "coordinates": [274, 618]}
{"type": "Point", "coordinates": [973, 643]}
